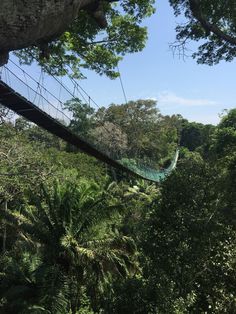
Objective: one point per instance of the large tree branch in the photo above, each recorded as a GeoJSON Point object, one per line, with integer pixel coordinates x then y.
{"type": "Point", "coordinates": [37, 22]}
{"type": "Point", "coordinates": [197, 13]}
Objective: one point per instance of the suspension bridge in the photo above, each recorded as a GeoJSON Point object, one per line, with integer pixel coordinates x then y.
{"type": "Point", "coordinates": [29, 98]}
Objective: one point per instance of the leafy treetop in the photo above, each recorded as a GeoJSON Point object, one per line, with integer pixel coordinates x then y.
{"type": "Point", "coordinates": [85, 45]}
{"type": "Point", "coordinates": [213, 23]}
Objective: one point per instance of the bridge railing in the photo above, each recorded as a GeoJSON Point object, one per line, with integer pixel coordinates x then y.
{"type": "Point", "coordinates": [35, 92]}
{"type": "Point", "coordinates": [38, 92]}
{"type": "Point", "coordinates": [50, 94]}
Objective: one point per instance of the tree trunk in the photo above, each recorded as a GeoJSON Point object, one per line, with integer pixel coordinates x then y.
{"type": "Point", "coordinates": [24, 23]}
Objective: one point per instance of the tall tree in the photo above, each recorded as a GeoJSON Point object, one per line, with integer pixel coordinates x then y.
{"type": "Point", "coordinates": [193, 135]}
{"type": "Point", "coordinates": [68, 229]}
{"type": "Point", "coordinates": [73, 38]}
{"type": "Point", "coordinates": [22, 168]}
{"type": "Point", "coordinates": [213, 23]}
{"type": "Point", "coordinates": [82, 119]}
{"type": "Point", "coordinates": [149, 134]}
{"type": "Point", "coordinates": [110, 139]}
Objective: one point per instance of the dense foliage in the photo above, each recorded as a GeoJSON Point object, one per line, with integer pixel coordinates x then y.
{"type": "Point", "coordinates": [75, 236]}
{"type": "Point", "coordinates": [74, 241]}
{"type": "Point", "coordinates": [86, 45]}
{"type": "Point", "coordinates": [135, 130]}
{"type": "Point", "coordinates": [210, 22]}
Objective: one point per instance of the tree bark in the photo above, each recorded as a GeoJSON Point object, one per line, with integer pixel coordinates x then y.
{"type": "Point", "coordinates": [24, 23]}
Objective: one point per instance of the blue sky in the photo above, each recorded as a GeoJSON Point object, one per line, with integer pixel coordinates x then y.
{"type": "Point", "coordinates": [198, 92]}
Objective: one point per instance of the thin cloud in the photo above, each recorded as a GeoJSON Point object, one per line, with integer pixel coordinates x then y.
{"type": "Point", "coordinates": [151, 98]}
{"type": "Point", "coordinates": [170, 98]}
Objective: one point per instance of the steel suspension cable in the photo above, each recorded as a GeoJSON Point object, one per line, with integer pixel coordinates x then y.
{"type": "Point", "coordinates": [122, 85]}
{"type": "Point", "coordinates": [12, 73]}
{"type": "Point", "coordinates": [33, 79]}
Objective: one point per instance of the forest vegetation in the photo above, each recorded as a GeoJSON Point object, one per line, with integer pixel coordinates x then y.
{"type": "Point", "coordinates": [76, 239]}
{"type": "Point", "coordinates": [96, 34]}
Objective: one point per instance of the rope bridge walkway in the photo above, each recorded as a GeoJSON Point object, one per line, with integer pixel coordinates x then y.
{"type": "Point", "coordinates": [29, 98]}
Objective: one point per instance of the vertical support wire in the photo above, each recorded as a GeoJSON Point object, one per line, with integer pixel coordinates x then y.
{"type": "Point", "coordinates": [27, 88]}
{"type": "Point", "coordinates": [122, 85]}
{"type": "Point", "coordinates": [40, 91]}
{"type": "Point", "coordinates": [59, 103]}
{"type": "Point", "coordinates": [37, 91]}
